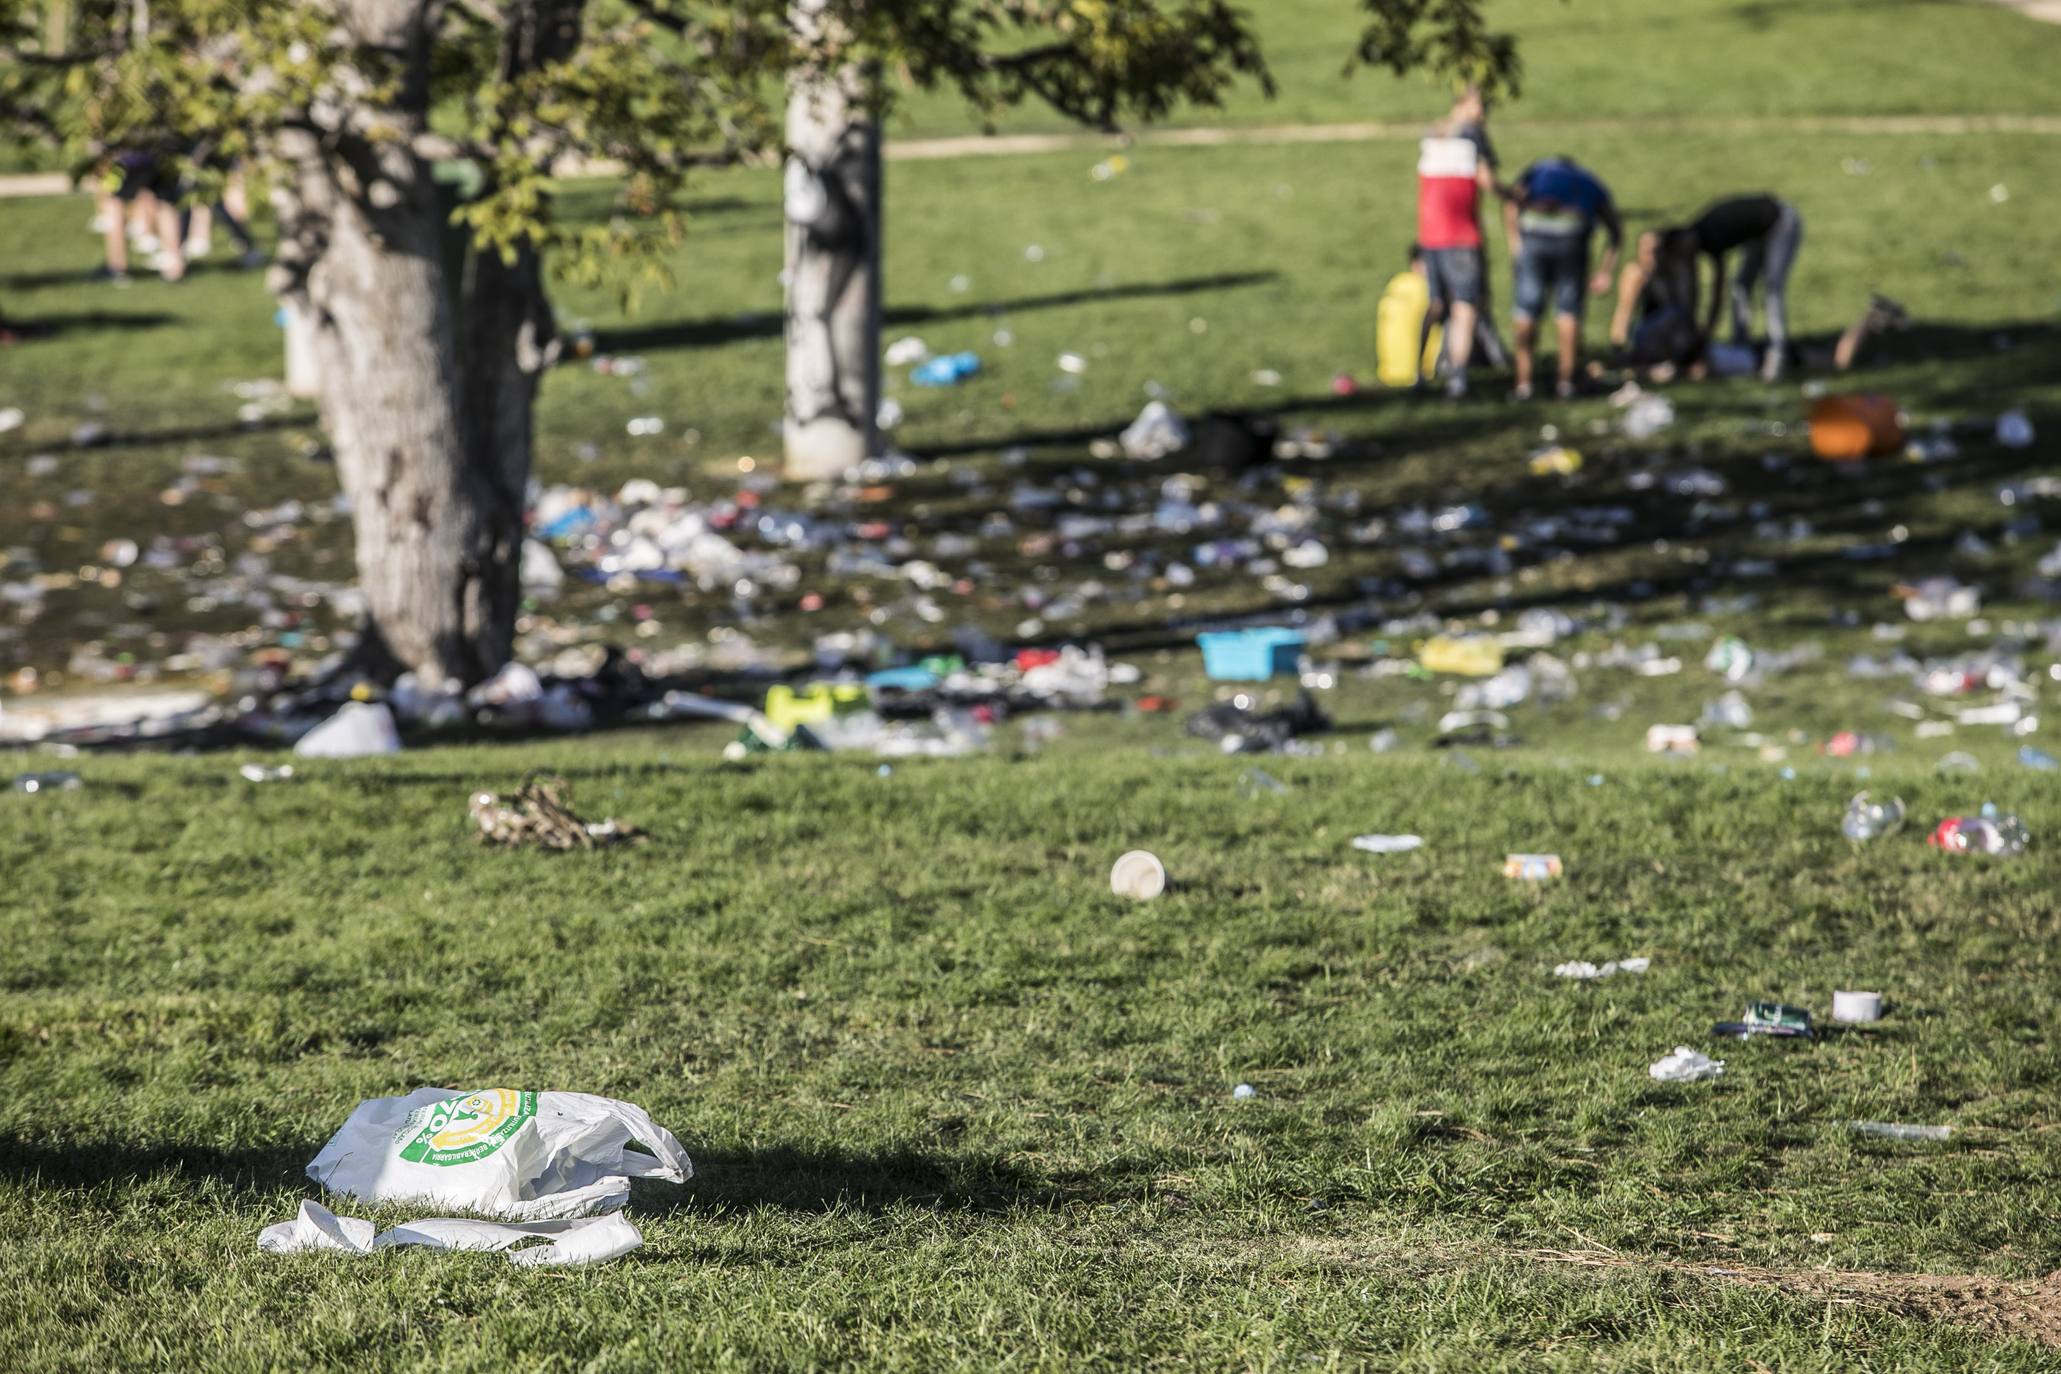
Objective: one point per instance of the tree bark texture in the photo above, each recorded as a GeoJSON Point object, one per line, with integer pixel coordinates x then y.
{"type": "Point", "coordinates": [833, 208]}
{"type": "Point", "coordinates": [426, 385]}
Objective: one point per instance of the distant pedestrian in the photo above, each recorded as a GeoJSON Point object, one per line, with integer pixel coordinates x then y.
{"type": "Point", "coordinates": [1455, 164]}
{"type": "Point", "coordinates": [1552, 214]}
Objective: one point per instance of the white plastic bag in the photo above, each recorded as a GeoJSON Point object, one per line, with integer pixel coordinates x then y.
{"type": "Point", "coordinates": [1686, 1066]}
{"type": "Point", "coordinates": [358, 729]}
{"type": "Point", "coordinates": [586, 1240]}
{"type": "Point", "coordinates": [530, 1156]}
{"type": "Point", "coordinates": [1157, 432]}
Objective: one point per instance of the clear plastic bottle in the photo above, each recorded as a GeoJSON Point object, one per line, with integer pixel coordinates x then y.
{"type": "Point", "coordinates": [1255, 783]}
{"type": "Point", "coordinates": [1896, 1130]}
{"type": "Point", "coordinates": [1868, 819]}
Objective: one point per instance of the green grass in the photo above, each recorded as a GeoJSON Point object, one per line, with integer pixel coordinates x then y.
{"type": "Point", "coordinates": [1612, 59]}
{"type": "Point", "coordinates": [956, 1107]}
{"type": "Point", "coordinates": [953, 1105]}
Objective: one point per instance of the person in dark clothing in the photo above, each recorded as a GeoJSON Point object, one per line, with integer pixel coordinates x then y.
{"type": "Point", "coordinates": [1661, 285]}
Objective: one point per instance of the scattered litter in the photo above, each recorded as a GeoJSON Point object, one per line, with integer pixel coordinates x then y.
{"type": "Point", "coordinates": [1645, 416]}
{"type": "Point", "coordinates": [1768, 1018]}
{"type": "Point", "coordinates": [1672, 739]}
{"type": "Point", "coordinates": [1157, 433]}
{"type": "Point", "coordinates": [1252, 655]}
{"type": "Point", "coordinates": [1731, 657]}
{"type": "Point", "coordinates": [359, 729]}
{"type": "Point", "coordinates": [1846, 429]}
{"type": "Point", "coordinates": [1939, 598]}
{"type": "Point", "coordinates": [1240, 727]}
{"type": "Point", "coordinates": [538, 816]}
{"type": "Point", "coordinates": [46, 782]}
{"type": "Point", "coordinates": [1846, 744]}
{"type": "Point", "coordinates": [1857, 1008]}
{"type": "Point", "coordinates": [2014, 429]}
{"type": "Point", "coordinates": [258, 772]}
{"type": "Point", "coordinates": [1465, 655]}
{"type": "Point", "coordinates": [1388, 844]}
{"type": "Point", "coordinates": [1533, 868]}
{"type": "Point", "coordinates": [1731, 711]}
{"type": "Point", "coordinates": [2037, 759]}
{"type": "Point", "coordinates": [531, 1156]}
{"type": "Point", "coordinates": [1686, 1066]}
{"type": "Point", "coordinates": [571, 1242]}
{"type": "Point", "coordinates": [1987, 834]}
{"type": "Point", "coordinates": [1582, 968]}
{"type": "Point", "coordinates": [1244, 1092]}
{"type": "Point", "coordinates": [949, 369]}
{"type": "Point", "coordinates": [1138, 875]}
{"type": "Point", "coordinates": [1556, 461]}
{"type": "Point", "coordinates": [906, 352]}
{"type": "Point", "coordinates": [1254, 783]}
{"type": "Point", "coordinates": [1867, 819]}
{"type": "Point", "coordinates": [1896, 1130]}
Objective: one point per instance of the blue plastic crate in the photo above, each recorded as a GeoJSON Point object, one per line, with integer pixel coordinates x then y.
{"type": "Point", "coordinates": [1251, 655]}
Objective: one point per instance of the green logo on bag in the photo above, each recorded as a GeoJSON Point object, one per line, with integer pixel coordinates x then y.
{"type": "Point", "coordinates": [459, 1130]}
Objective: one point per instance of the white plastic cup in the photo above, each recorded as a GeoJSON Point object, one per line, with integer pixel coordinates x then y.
{"type": "Point", "coordinates": [1138, 875]}
{"type": "Point", "coordinates": [1856, 1008]}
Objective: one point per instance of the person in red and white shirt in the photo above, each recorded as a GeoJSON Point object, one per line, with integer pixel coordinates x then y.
{"type": "Point", "coordinates": [1456, 163]}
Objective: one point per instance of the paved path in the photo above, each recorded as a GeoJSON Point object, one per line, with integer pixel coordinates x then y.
{"type": "Point", "coordinates": [1021, 145]}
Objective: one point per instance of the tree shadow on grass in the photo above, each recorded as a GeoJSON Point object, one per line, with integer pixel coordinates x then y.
{"type": "Point", "coordinates": [800, 1180]}
{"type": "Point", "coordinates": [104, 1163]}
{"type": "Point", "coordinates": [177, 435]}
{"type": "Point", "coordinates": [792, 1179]}
{"type": "Point", "coordinates": [36, 328]}
{"type": "Point", "coordinates": [714, 332]}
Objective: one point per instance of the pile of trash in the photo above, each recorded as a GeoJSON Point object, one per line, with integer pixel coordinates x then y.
{"type": "Point", "coordinates": [540, 816]}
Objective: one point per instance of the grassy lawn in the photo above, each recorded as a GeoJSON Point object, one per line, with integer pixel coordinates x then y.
{"type": "Point", "coordinates": [952, 1105]}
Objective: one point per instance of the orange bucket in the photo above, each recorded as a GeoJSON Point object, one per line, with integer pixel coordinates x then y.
{"type": "Point", "coordinates": [1846, 429]}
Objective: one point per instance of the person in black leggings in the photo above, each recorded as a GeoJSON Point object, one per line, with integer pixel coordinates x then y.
{"type": "Point", "coordinates": [1662, 281]}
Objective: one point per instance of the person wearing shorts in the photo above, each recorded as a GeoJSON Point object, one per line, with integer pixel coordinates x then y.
{"type": "Point", "coordinates": [1551, 216]}
{"type": "Point", "coordinates": [1455, 164]}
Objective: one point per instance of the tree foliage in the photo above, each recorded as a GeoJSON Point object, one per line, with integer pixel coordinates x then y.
{"type": "Point", "coordinates": [656, 87]}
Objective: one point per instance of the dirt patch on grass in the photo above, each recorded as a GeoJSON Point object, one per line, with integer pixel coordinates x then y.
{"type": "Point", "coordinates": [1996, 1307]}
{"type": "Point", "coordinates": [2000, 1307]}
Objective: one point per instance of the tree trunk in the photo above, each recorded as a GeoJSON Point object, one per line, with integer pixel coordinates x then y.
{"type": "Point", "coordinates": [833, 264]}
{"type": "Point", "coordinates": [430, 414]}
{"type": "Point", "coordinates": [438, 541]}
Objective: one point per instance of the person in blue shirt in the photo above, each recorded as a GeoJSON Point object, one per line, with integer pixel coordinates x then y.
{"type": "Point", "coordinates": [1556, 206]}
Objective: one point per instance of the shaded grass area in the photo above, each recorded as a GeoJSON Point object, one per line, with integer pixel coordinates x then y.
{"type": "Point", "coordinates": [1191, 276]}
{"type": "Point", "coordinates": [954, 1106]}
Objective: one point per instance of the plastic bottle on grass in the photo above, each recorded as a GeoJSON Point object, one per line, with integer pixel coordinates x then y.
{"type": "Point", "coordinates": [1867, 819]}
{"type": "Point", "coordinates": [1897, 1130]}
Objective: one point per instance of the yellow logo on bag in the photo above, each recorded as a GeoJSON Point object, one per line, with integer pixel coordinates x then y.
{"type": "Point", "coordinates": [459, 1130]}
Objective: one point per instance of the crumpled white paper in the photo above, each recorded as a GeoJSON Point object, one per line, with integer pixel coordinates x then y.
{"type": "Point", "coordinates": [1582, 968]}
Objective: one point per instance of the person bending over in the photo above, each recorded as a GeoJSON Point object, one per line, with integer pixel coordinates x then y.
{"type": "Point", "coordinates": [1764, 230]}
